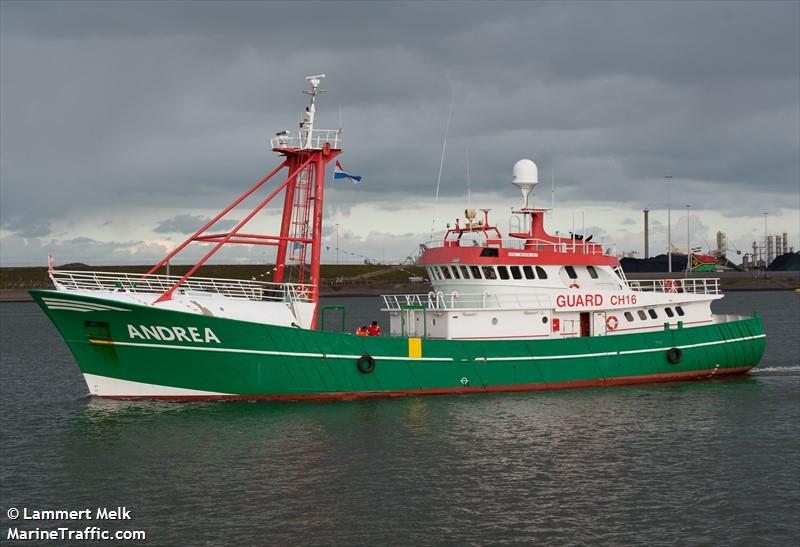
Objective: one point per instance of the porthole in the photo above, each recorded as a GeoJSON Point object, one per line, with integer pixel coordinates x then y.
{"type": "Point", "coordinates": [494, 320]}
{"type": "Point", "coordinates": [641, 315]}
{"type": "Point", "coordinates": [544, 319]}
{"type": "Point", "coordinates": [679, 310]}
{"type": "Point", "coordinates": [628, 316]}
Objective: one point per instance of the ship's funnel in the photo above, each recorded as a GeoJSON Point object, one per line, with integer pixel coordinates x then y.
{"type": "Point", "coordinates": [525, 176]}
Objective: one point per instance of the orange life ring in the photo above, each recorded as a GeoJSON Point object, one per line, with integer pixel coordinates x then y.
{"type": "Point", "coordinates": [612, 322]}
{"type": "Point", "coordinates": [671, 285]}
{"type": "Point", "coordinates": [574, 286]}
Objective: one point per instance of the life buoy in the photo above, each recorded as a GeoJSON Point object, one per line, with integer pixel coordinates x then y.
{"type": "Point", "coordinates": [366, 363]}
{"type": "Point", "coordinates": [612, 322]}
{"type": "Point", "coordinates": [674, 355]}
{"type": "Point", "coordinates": [574, 286]}
{"type": "Point", "coordinates": [671, 285]}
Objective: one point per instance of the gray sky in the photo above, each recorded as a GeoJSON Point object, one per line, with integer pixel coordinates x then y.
{"type": "Point", "coordinates": [125, 125]}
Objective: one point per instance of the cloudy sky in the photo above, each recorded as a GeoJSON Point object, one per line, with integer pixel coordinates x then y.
{"type": "Point", "coordinates": [124, 125]}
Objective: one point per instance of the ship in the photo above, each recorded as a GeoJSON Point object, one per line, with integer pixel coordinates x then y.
{"type": "Point", "coordinates": [521, 311]}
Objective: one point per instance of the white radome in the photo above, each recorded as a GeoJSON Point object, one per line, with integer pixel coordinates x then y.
{"type": "Point", "coordinates": [525, 176]}
{"type": "Point", "coordinates": [525, 172]}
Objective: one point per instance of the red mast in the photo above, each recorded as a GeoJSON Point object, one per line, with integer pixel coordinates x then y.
{"type": "Point", "coordinates": [305, 157]}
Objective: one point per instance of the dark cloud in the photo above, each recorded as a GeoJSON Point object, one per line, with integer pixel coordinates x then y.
{"type": "Point", "coordinates": [171, 104]}
{"type": "Point", "coordinates": [26, 226]}
{"type": "Point", "coordinates": [188, 224]}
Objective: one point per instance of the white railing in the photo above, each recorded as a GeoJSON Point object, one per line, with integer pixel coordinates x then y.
{"type": "Point", "coordinates": [699, 285]}
{"type": "Point", "coordinates": [159, 284]}
{"type": "Point", "coordinates": [319, 137]}
{"type": "Point", "coordinates": [579, 247]}
{"type": "Point", "coordinates": [456, 301]}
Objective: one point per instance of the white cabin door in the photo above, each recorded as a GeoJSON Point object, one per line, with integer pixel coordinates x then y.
{"type": "Point", "coordinates": [414, 323]}
{"type": "Point", "coordinates": [599, 323]}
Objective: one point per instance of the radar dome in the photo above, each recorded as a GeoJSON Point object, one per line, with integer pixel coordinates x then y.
{"type": "Point", "coordinates": [525, 176]}
{"type": "Point", "coordinates": [525, 172]}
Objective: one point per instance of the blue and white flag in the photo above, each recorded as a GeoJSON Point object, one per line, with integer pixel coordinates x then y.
{"type": "Point", "coordinates": [339, 173]}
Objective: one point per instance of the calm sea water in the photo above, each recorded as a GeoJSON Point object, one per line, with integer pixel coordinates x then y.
{"type": "Point", "coordinates": [705, 463]}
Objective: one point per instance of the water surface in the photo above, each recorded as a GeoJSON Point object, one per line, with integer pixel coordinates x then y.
{"type": "Point", "coordinates": [711, 463]}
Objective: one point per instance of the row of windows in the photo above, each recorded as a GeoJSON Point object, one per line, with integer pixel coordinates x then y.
{"type": "Point", "coordinates": [574, 274]}
{"type": "Point", "coordinates": [462, 271]}
{"type": "Point", "coordinates": [654, 314]}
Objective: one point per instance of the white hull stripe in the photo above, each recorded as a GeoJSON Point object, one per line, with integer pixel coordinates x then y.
{"type": "Point", "coordinates": [76, 305]}
{"type": "Point", "coordinates": [110, 387]}
{"type": "Point", "coordinates": [394, 358]}
{"type": "Point", "coordinates": [623, 352]}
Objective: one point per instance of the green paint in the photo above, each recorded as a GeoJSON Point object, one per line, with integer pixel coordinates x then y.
{"type": "Point", "coordinates": [253, 359]}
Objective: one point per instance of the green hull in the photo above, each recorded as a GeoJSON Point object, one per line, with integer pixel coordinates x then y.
{"type": "Point", "coordinates": [149, 352]}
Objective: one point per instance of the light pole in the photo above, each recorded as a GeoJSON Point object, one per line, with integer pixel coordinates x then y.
{"type": "Point", "coordinates": [337, 244]}
{"type": "Point", "coordinates": [688, 242]}
{"type": "Point", "coordinates": [669, 224]}
{"type": "Point", "coordinates": [766, 258]}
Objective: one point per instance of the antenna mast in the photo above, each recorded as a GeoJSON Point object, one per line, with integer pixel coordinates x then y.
{"type": "Point", "coordinates": [305, 156]}
{"type": "Point", "coordinates": [441, 162]}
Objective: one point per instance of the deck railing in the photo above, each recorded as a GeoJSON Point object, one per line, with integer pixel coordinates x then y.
{"type": "Point", "coordinates": [578, 247]}
{"type": "Point", "coordinates": [454, 300]}
{"type": "Point", "coordinates": [159, 284]}
{"type": "Point", "coordinates": [319, 137]}
{"type": "Point", "coordinates": [698, 285]}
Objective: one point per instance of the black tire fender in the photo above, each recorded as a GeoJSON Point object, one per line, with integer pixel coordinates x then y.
{"type": "Point", "coordinates": [674, 355]}
{"type": "Point", "coordinates": [366, 363]}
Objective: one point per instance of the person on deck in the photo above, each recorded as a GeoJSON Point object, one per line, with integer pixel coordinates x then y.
{"type": "Point", "coordinates": [362, 331]}
{"type": "Point", "coordinates": [374, 329]}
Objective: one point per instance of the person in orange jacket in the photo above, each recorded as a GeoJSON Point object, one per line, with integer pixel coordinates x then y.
{"type": "Point", "coordinates": [374, 329]}
{"type": "Point", "coordinates": [362, 331]}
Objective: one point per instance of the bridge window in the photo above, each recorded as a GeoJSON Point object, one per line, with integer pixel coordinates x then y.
{"type": "Point", "coordinates": [464, 272]}
{"type": "Point", "coordinates": [592, 272]}
{"type": "Point", "coordinates": [515, 273]}
{"type": "Point", "coordinates": [435, 273]}
{"type": "Point", "coordinates": [541, 273]}
{"type": "Point", "coordinates": [653, 314]}
{"type": "Point", "coordinates": [641, 315]}
{"type": "Point", "coordinates": [669, 312]}
{"type": "Point", "coordinates": [679, 310]}
{"type": "Point", "coordinates": [446, 272]}
{"type": "Point", "coordinates": [503, 271]}
{"type": "Point", "coordinates": [628, 316]}
{"type": "Point", "coordinates": [489, 272]}
{"type": "Point", "coordinates": [476, 272]}
{"type": "Point", "coordinates": [528, 271]}
{"type": "Point", "coordinates": [455, 271]}
{"type": "Point", "coordinates": [571, 272]}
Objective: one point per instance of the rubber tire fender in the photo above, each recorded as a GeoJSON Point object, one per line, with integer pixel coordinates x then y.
{"type": "Point", "coordinates": [674, 355]}
{"type": "Point", "coordinates": [366, 363]}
